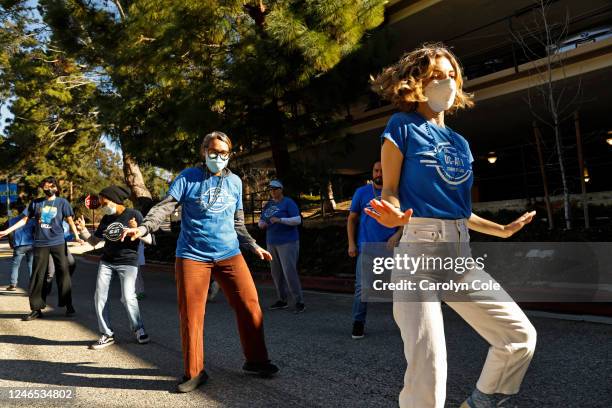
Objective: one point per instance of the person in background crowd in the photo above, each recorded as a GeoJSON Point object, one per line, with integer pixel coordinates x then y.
{"type": "Point", "coordinates": [68, 236]}
{"type": "Point", "coordinates": [362, 229]}
{"type": "Point", "coordinates": [21, 242]}
{"type": "Point", "coordinates": [140, 290]}
{"type": "Point", "coordinates": [120, 257]}
{"type": "Point", "coordinates": [212, 231]}
{"type": "Point", "coordinates": [280, 218]}
{"type": "Point", "coordinates": [49, 212]}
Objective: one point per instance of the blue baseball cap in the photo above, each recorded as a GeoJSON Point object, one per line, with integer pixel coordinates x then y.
{"type": "Point", "coordinates": [276, 184]}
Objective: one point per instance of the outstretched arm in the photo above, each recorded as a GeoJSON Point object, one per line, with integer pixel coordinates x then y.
{"type": "Point", "coordinates": [153, 220]}
{"type": "Point", "coordinates": [485, 226]}
{"type": "Point", "coordinates": [84, 233]}
{"type": "Point", "coordinates": [15, 226]}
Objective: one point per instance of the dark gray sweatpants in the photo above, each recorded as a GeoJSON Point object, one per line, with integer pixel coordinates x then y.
{"type": "Point", "coordinates": [284, 270]}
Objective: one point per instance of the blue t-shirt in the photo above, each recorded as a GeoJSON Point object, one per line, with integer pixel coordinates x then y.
{"type": "Point", "coordinates": [278, 234]}
{"type": "Point", "coordinates": [436, 177]}
{"type": "Point", "coordinates": [369, 229]}
{"type": "Point", "coordinates": [68, 235]}
{"type": "Point", "coordinates": [207, 218]}
{"type": "Point", "coordinates": [24, 236]}
{"type": "Point", "coordinates": [49, 216]}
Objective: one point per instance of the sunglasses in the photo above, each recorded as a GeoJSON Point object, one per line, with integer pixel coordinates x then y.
{"type": "Point", "coordinates": [223, 155]}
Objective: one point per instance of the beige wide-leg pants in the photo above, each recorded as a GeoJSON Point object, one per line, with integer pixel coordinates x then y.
{"type": "Point", "coordinates": [501, 323]}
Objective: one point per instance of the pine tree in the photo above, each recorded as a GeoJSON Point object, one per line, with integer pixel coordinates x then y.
{"type": "Point", "coordinates": [175, 70]}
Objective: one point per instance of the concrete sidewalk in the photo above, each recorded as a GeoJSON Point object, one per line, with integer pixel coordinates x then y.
{"type": "Point", "coordinates": [321, 366]}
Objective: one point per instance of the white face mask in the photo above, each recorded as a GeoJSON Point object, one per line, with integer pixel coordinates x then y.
{"type": "Point", "coordinates": [441, 94]}
{"type": "Point", "coordinates": [109, 209]}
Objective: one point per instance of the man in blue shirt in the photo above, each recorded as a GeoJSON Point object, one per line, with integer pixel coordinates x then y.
{"type": "Point", "coordinates": [48, 214]}
{"type": "Point", "coordinates": [280, 218]}
{"type": "Point", "coordinates": [364, 229]}
{"type": "Point", "coordinates": [21, 241]}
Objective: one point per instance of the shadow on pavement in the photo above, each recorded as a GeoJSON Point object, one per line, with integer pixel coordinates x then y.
{"type": "Point", "coordinates": [74, 375]}
{"type": "Point", "coordinates": [37, 341]}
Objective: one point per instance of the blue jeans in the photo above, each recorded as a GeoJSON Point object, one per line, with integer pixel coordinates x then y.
{"type": "Point", "coordinates": [18, 254]}
{"type": "Point", "coordinates": [127, 278]}
{"type": "Point", "coordinates": [360, 309]}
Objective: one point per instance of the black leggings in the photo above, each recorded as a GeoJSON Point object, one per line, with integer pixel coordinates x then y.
{"type": "Point", "coordinates": [38, 285]}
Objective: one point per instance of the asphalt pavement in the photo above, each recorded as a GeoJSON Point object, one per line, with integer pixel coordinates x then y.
{"type": "Point", "coordinates": [320, 365]}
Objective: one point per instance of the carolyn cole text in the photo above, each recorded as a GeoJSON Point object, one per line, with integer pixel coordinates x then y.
{"type": "Point", "coordinates": [424, 285]}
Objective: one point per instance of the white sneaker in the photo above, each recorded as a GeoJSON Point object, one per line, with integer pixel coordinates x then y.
{"type": "Point", "coordinates": [141, 336]}
{"type": "Point", "coordinates": [103, 342]}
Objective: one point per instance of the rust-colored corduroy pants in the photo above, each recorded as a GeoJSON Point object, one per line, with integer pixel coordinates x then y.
{"type": "Point", "coordinates": [234, 277]}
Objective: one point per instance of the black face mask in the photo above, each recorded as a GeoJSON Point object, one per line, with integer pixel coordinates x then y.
{"type": "Point", "coordinates": [50, 192]}
{"type": "Point", "coordinates": [378, 181]}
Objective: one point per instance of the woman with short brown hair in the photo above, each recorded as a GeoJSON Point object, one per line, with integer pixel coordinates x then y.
{"type": "Point", "coordinates": [427, 189]}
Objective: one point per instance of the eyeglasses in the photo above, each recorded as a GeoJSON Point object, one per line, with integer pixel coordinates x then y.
{"type": "Point", "coordinates": [275, 188]}
{"type": "Point", "coordinates": [223, 155]}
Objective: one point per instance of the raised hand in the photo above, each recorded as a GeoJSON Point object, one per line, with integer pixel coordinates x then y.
{"type": "Point", "coordinates": [134, 233]}
{"type": "Point", "coordinates": [79, 223]}
{"type": "Point", "coordinates": [387, 214]}
{"type": "Point", "coordinates": [518, 224]}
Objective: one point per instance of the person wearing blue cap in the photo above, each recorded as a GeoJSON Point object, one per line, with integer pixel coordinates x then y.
{"type": "Point", "coordinates": [280, 218]}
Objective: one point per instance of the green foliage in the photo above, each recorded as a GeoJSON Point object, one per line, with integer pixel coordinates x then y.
{"type": "Point", "coordinates": [169, 74]}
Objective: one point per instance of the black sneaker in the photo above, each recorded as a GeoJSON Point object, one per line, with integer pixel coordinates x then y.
{"type": "Point", "coordinates": [279, 305]}
{"type": "Point", "coordinates": [141, 336]}
{"type": "Point", "coordinates": [265, 369]}
{"type": "Point", "coordinates": [11, 288]}
{"type": "Point", "coordinates": [103, 342]}
{"type": "Point", "coordinates": [35, 314]}
{"type": "Point", "coordinates": [358, 330]}
{"type": "Point", "coordinates": [190, 384]}
{"type": "Point", "coordinates": [299, 308]}
{"type": "Point", "coordinates": [70, 311]}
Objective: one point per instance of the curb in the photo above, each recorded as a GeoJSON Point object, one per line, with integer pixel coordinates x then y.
{"type": "Point", "coordinates": [347, 285]}
{"type": "Point", "coordinates": [322, 283]}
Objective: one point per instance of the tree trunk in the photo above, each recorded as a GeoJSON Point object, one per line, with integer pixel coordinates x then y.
{"type": "Point", "coordinates": [536, 132]}
{"type": "Point", "coordinates": [566, 196]}
{"type": "Point", "coordinates": [133, 177]}
{"type": "Point", "coordinates": [330, 202]}
{"type": "Point", "coordinates": [280, 150]}
{"type": "Point", "coordinates": [585, 204]}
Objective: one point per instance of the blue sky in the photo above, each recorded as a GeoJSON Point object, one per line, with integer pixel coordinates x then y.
{"type": "Point", "coordinates": [4, 114]}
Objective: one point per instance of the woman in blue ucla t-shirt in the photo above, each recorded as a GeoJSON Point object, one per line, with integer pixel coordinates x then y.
{"type": "Point", "coordinates": [427, 186]}
{"type": "Point", "coordinates": [212, 230]}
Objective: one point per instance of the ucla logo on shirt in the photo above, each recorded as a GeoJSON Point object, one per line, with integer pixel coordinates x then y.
{"type": "Point", "coordinates": [451, 165]}
{"type": "Point", "coordinates": [217, 200]}
{"type": "Point", "coordinates": [270, 211]}
{"type": "Point", "coordinates": [47, 215]}
{"type": "Point", "coordinates": [113, 231]}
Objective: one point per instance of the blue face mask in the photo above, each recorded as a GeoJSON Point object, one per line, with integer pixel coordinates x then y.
{"type": "Point", "coordinates": [216, 165]}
